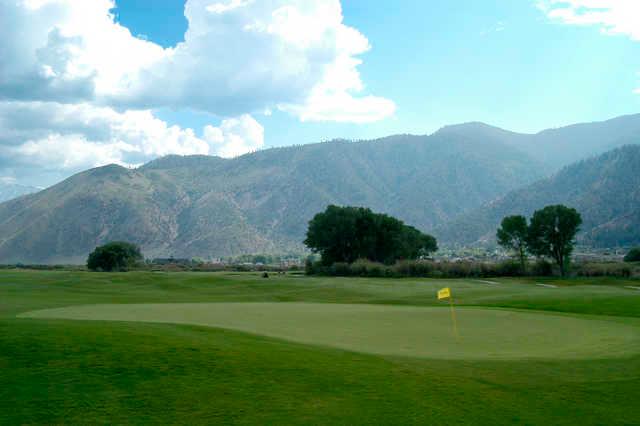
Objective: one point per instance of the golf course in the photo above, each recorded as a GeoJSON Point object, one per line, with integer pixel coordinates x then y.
{"type": "Point", "coordinates": [236, 348]}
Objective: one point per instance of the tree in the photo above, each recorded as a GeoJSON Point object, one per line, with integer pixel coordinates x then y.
{"type": "Point", "coordinates": [114, 256]}
{"type": "Point", "coordinates": [512, 235]}
{"type": "Point", "coordinates": [633, 255]}
{"type": "Point", "coordinates": [345, 234]}
{"type": "Point", "coordinates": [552, 233]}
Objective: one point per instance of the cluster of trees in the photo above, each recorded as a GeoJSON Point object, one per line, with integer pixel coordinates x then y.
{"type": "Point", "coordinates": [346, 234]}
{"type": "Point", "coordinates": [633, 255]}
{"type": "Point", "coordinates": [114, 256]}
{"type": "Point", "coordinates": [550, 233]}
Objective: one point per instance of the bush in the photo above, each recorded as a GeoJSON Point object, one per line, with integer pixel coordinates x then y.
{"type": "Point", "coordinates": [415, 268]}
{"type": "Point", "coordinates": [509, 269]}
{"type": "Point", "coordinates": [603, 270]}
{"type": "Point", "coordinates": [340, 269]}
{"type": "Point", "coordinates": [542, 268]}
{"type": "Point", "coordinates": [114, 256]}
{"type": "Point", "coordinates": [633, 255]}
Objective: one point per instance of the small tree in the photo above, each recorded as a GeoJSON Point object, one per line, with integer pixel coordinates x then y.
{"type": "Point", "coordinates": [114, 256]}
{"type": "Point", "coordinates": [512, 235]}
{"type": "Point", "coordinates": [552, 233]}
{"type": "Point", "coordinates": [633, 255]}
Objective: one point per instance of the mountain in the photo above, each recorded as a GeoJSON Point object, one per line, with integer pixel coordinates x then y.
{"type": "Point", "coordinates": [9, 191]}
{"type": "Point", "coordinates": [260, 202]}
{"type": "Point", "coordinates": [604, 189]}
{"type": "Point", "coordinates": [451, 183]}
{"type": "Point", "coordinates": [559, 147]}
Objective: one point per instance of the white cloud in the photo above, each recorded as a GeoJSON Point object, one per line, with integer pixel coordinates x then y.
{"type": "Point", "coordinates": [612, 16]}
{"type": "Point", "coordinates": [72, 137]}
{"type": "Point", "coordinates": [67, 50]}
{"type": "Point", "coordinates": [77, 89]}
{"type": "Point", "coordinates": [235, 136]}
{"type": "Point", "coordinates": [238, 57]}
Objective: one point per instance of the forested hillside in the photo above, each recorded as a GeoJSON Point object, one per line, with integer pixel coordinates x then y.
{"type": "Point", "coordinates": [604, 189]}
{"type": "Point", "coordinates": [452, 183]}
{"type": "Point", "coordinates": [556, 148]}
{"type": "Point", "coordinates": [261, 202]}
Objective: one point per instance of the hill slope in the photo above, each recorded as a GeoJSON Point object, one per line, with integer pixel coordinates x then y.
{"type": "Point", "coordinates": [9, 191]}
{"type": "Point", "coordinates": [563, 146]}
{"type": "Point", "coordinates": [208, 206]}
{"type": "Point", "coordinates": [604, 189]}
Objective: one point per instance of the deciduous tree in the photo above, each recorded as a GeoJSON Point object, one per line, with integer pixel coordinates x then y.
{"type": "Point", "coordinates": [552, 233]}
{"type": "Point", "coordinates": [512, 235]}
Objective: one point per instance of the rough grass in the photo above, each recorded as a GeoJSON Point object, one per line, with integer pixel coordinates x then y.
{"type": "Point", "coordinates": [88, 372]}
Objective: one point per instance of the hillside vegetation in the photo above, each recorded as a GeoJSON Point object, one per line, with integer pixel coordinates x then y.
{"type": "Point", "coordinates": [605, 190]}
{"type": "Point", "coordinates": [261, 202]}
{"type": "Point", "coordinates": [556, 148]}
{"type": "Point", "coordinates": [453, 181]}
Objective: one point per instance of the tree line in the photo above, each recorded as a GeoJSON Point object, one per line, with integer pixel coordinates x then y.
{"type": "Point", "coordinates": [344, 235]}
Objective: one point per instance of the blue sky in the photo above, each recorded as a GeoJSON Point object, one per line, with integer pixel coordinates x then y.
{"type": "Point", "coordinates": [89, 83]}
{"type": "Point", "coordinates": [502, 62]}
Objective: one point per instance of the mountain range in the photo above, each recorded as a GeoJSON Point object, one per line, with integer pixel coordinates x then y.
{"type": "Point", "coordinates": [200, 206]}
{"type": "Point", "coordinates": [9, 190]}
{"type": "Point", "coordinates": [604, 189]}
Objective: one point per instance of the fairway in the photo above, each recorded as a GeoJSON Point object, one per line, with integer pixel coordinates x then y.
{"type": "Point", "coordinates": [424, 332]}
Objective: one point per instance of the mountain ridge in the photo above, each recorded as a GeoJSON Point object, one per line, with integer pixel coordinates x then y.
{"type": "Point", "coordinates": [260, 202]}
{"type": "Point", "coordinates": [605, 189]}
{"type": "Point", "coordinates": [203, 206]}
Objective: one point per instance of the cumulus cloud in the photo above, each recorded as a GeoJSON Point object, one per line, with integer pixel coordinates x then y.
{"type": "Point", "coordinates": [67, 50]}
{"type": "Point", "coordinates": [77, 89]}
{"type": "Point", "coordinates": [235, 136]}
{"type": "Point", "coordinates": [72, 137]}
{"type": "Point", "coordinates": [612, 16]}
{"type": "Point", "coordinates": [238, 57]}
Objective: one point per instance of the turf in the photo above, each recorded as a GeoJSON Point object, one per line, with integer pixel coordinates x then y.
{"type": "Point", "coordinates": [424, 332]}
{"type": "Point", "coordinates": [90, 372]}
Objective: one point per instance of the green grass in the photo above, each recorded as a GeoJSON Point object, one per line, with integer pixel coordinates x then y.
{"type": "Point", "coordinates": [423, 332]}
{"type": "Point", "coordinates": [65, 371]}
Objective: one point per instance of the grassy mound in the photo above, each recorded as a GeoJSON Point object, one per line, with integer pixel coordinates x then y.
{"type": "Point", "coordinates": [424, 332]}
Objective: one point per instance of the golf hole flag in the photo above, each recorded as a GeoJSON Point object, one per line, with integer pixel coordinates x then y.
{"type": "Point", "coordinates": [444, 293]}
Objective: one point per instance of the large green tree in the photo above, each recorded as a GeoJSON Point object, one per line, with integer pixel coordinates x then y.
{"type": "Point", "coordinates": [114, 256]}
{"type": "Point", "coordinates": [512, 235]}
{"type": "Point", "coordinates": [552, 233]}
{"type": "Point", "coordinates": [345, 234]}
{"type": "Point", "coordinates": [633, 255]}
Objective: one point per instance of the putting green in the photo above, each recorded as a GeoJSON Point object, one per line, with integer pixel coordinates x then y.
{"type": "Point", "coordinates": [390, 330]}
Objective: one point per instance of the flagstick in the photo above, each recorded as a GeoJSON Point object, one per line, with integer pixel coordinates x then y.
{"type": "Point", "coordinates": [453, 318]}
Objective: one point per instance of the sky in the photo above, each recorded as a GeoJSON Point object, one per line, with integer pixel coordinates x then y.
{"type": "Point", "coordinates": [85, 83]}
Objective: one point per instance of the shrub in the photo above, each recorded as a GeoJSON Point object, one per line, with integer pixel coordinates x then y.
{"type": "Point", "coordinates": [542, 268]}
{"type": "Point", "coordinates": [114, 256]}
{"type": "Point", "coordinates": [416, 268]}
{"type": "Point", "coordinates": [633, 255]}
{"type": "Point", "coordinates": [603, 270]}
{"type": "Point", "coordinates": [340, 269]}
{"type": "Point", "coordinates": [509, 269]}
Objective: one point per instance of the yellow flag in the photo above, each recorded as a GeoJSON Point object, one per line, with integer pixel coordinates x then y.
{"type": "Point", "coordinates": [444, 293]}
